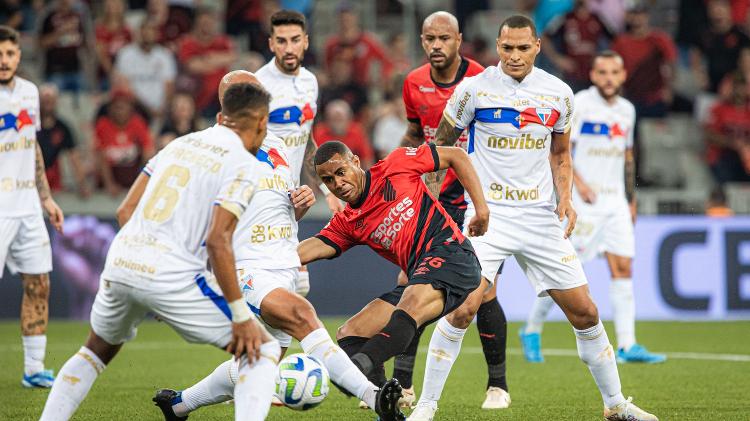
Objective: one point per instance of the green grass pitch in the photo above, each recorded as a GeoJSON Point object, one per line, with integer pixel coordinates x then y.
{"type": "Point", "coordinates": [706, 378]}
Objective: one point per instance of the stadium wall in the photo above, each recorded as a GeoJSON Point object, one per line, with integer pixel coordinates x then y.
{"type": "Point", "coordinates": [686, 268]}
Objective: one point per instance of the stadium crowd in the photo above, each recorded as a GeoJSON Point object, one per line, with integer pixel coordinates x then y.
{"type": "Point", "coordinates": [150, 69]}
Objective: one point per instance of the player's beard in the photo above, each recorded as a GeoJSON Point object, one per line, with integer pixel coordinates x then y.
{"type": "Point", "coordinates": [287, 67]}
{"type": "Point", "coordinates": [608, 96]}
{"type": "Point", "coordinates": [447, 62]}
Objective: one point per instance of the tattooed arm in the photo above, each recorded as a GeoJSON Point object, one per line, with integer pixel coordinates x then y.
{"type": "Point", "coordinates": [310, 177]}
{"type": "Point", "coordinates": [562, 175]}
{"type": "Point", "coordinates": [446, 135]}
{"type": "Point", "coordinates": [414, 135]}
{"type": "Point", "coordinates": [56, 217]}
{"type": "Point", "coordinates": [630, 181]}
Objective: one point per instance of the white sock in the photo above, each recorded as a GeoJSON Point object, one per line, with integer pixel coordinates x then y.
{"type": "Point", "coordinates": [623, 305]}
{"type": "Point", "coordinates": [302, 285]}
{"type": "Point", "coordinates": [596, 352]}
{"type": "Point", "coordinates": [217, 387]}
{"type": "Point", "coordinates": [72, 384]}
{"type": "Point", "coordinates": [538, 314]}
{"type": "Point", "coordinates": [445, 345]}
{"type": "Point", "coordinates": [33, 353]}
{"type": "Point", "coordinates": [342, 370]}
{"type": "Point", "coordinates": [256, 384]}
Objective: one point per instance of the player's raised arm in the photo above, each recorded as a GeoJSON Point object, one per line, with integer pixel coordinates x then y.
{"type": "Point", "coordinates": [314, 249]}
{"type": "Point", "coordinates": [128, 205]}
{"type": "Point", "coordinates": [458, 160]}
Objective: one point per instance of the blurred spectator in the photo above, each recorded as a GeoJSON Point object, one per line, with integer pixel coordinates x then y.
{"type": "Point", "coordinates": [150, 70]}
{"type": "Point", "coordinates": [692, 22]}
{"type": "Point", "coordinates": [719, 47]}
{"type": "Point", "coordinates": [728, 134]}
{"type": "Point", "coordinates": [173, 21]}
{"type": "Point", "coordinates": [716, 205]}
{"type": "Point", "coordinates": [206, 56]}
{"type": "Point", "coordinates": [357, 47]}
{"type": "Point", "coordinates": [399, 54]}
{"type": "Point", "coordinates": [65, 38]}
{"type": "Point", "coordinates": [743, 69]}
{"type": "Point", "coordinates": [338, 83]}
{"type": "Point", "coordinates": [545, 11]}
{"type": "Point", "coordinates": [181, 120]}
{"type": "Point", "coordinates": [649, 55]}
{"type": "Point", "coordinates": [574, 39]}
{"type": "Point", "coordinates": [11, 14]}
{"type": "Point", "coordinates": [111, 35]}
{"type": "Point", "coordinates": [611, 12]}
{"type": "Point", "coordinates": [390, 126]}
{"type": "Point", "coordinates": [55, 139]}
{"type": "Point", "coordinates": [123, 143]}
{"type": "Point", "coordinates": [466, 8]}
{"type": "Point", "coordinates": [482, 52]}
{"type": "Point", "coordinates": [245, 17]}
{"type": "Point", "coordinates": [339, 125]}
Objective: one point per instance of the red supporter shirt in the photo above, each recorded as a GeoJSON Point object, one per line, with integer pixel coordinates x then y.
{"type": "Point", "coordinates": [209, 82]}
{"type": "Point", "coordinates": [643, 59]}
{"type": "Point", "coordinates": [580, 38]}
{"type": "Point", "coordinates": [123, 147]}
{"type": "Point", "coordinates": [355, 138]}
{"type": "Point", "coordinates": [396, 216]}
{"type": "Point", "coordinates": [425, 100]}
{"type": "Point", "coordinates": [361, 54]}
{"type": "Point", "coordinates": [112, 41]}
{"type": "Point", "coordinates": [729, 120]}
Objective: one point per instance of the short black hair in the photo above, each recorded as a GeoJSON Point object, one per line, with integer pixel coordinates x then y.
{"type": "Point", "coordinates": [9, 34]}
{"type": "Point", "coordinates": [288, 17]}
{"type": "Point", "coordinates": [327, 150]}
{"type": "Point", "coordinates": [517, 22]}
{"type": "Point", "coordinates": [242, 98]}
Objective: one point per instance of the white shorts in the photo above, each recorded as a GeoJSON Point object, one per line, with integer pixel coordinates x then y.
{"type": "Point", "coordinates": [534, 236]}
{"type": "Point", "coordinates": [198, 312]}
{"type": "Point", "coordinates": [257, 283]}
{"type": "Point", "coordinates": [24, 245]}
{"type": "Point", "coordinates": [604, 233]}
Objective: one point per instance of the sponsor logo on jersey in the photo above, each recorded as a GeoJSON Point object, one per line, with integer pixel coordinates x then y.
{"type": "Point", "coordinates": [525, 142]}
{"type": "Point", "coordinates": [263, 233]}
{"type": "Point", "coordinates": [134, 266]}
{"type": "Point", "coordinates": [612, 152]}
{"type": "Point", "coordinates": [386, 232]}
{"type": "Point", "coordinates": [426, 89]}
{"type": "Point", "coordinates": [498, 192]}
{"type": "Point", "coordinates": [569, 258]}
{"type": "Point", "coordinates": [9, 184]}
{"type": "Point", "coordinates": [295, 141]}
{"type": "Point", "coordinates": [462, 105]}
{"type": "Point", "coordinates": [20, 144]}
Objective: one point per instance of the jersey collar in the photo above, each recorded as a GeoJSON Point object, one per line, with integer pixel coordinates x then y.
{"type": "Point", "coordinates": [462, 68]}
{"type": "Point", "coordinates": [365, 192]}
{"type": "Point", "coordinates": [276, 71]}
{"type": "Point", "coordinates": [514, 83]}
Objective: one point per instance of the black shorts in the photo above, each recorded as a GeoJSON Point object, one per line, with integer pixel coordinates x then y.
{"type": "Point", "coordinates": [453, 269]}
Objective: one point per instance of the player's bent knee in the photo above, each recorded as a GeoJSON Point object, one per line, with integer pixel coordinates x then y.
{"type": "Point", "coordinates": [585, 316]}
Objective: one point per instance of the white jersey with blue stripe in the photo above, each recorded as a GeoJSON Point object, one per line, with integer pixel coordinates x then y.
{"type": "Point", "coordinates": [292, 110]}
{"type": "Point", "coordinates": [266, 235]}
{"type": "Point", "coordinates": [510, 131]}
{"type": "Point", "coordinates": [164, 241]}
{"type": "Point", "coordinates": [601, 134]}
{"type": "Point", "coordinates": [19, 122]}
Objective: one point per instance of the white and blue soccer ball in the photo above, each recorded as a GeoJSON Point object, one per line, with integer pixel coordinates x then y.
{"type": "Point", "coordinates": [301, 382]}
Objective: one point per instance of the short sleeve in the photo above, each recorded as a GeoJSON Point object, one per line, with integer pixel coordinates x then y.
{"type": "Point", "coordinates": [459, 111]}
{"type": "Point", "coordinates": [150, 166]}
{"type": "Point", "coordinates": [335, 234]}
{"type": "Point", "coordinates": [563, 123]}
{"type": "Point", "coordinates": [411, 111]}
{"type": "Point", "coordinates": [415, 161]}
{"type": "Point", "coordinates": [237, 189]}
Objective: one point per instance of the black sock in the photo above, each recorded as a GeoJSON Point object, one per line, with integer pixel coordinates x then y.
{"type": "Point", "coordinates": [493, 331]}
{"type": "Point", "coordinates": [403, 364]}
{"type": "Point", "coordinates": [352, 344]}
{"type": "Point", "coordinates": [390, 341]}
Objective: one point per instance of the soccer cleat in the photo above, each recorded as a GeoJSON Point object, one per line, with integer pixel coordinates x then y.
{"type": "Point", "coordinates": [386, 402]}
{"type": "Point", "coordinates": [408, 398]}
{"type": "Point", "coordinates": [627, 411]}
{"type": "Point", "coordinates": [41, 379]}
{"type": "Point", "coordinates": [532, 346]}
{"type": "Point", "coordinates": [422, 412]}
{"type": "Point", "coordinates": [164, 399]}
{"type": "Point", "coordinates": [363, 405]}
{"type": "Point", "coordinates": [275, 401]}
{"type": "Point", "coordinates": [496, 398]}
{"type": "Point", "coordinates": [639, 354]}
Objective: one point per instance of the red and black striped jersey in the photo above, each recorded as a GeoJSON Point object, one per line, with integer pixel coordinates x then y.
{"type": "Point", "coordinates": [396, 215]}
{"type": "Point", "coordinates": [424, 100]}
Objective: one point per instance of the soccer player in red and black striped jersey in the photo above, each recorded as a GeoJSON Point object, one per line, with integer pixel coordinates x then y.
{"type": "Point", "coordinates": [426, 91]}
{"type": "Point", "coordinates": [390, 209]}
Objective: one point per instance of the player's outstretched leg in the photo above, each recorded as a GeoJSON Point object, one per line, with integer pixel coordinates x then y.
{"type": "Point", "coordinates": [596, 352]}
{"type": "Point", "coordinates": [493, 331]}
{"type": "Point", "coordinates": [531, 334]}
{"type": "Point", "coordinates": [76, 377]}
{"type": "Point", "coordinates": [34, 317]}
{"type": "Point", "coordinates": [256, 383]}
{"type": "Point", "coordinates": [623, 306]}
{"type": "Point", "coordinates": [215, 388]}
{"type": "Point", "coordinates": [444, 348]}
{"type": "Point", "coordinates": [403, 370]}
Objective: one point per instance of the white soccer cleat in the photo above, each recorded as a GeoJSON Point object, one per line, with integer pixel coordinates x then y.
{"type": "Point", "coordinates": [363, 405]}
{"type": "Point", "coordinates": [496, 398]}
{"type": "Point", "coordinates": [275, 401]}
{"type": "Point", "coordinates": [408, 398]}
{"type": "Point", "coordinates": [422, 413]}
{"type": "Point", "coordinates": [627, 411]}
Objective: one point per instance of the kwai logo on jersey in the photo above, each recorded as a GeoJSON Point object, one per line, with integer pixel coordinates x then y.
{"type": "Point", "coordinates": [603, 129]}
{"type": "Point", "coordinates": [519, 119]}
{"type": "Point", "coordinates": [11, 121]}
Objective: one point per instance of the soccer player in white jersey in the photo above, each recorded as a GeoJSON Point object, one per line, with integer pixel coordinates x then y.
{"type": "Point", "coordinates": [294, 96]}
{"type": "Point", "coordinates": [604, 197]}
{"type": "Point", "coordinates": [265, 244]}
{"type": "Point", "coordinates": [24, 192]}
{"type": "Point", "coordinates": [518, 118]}
{"type": "Point", "coordinates": [191, 196]}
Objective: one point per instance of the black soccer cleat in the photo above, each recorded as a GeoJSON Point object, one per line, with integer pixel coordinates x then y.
{"type": "Point", "coordinates": [386, 402]}
{"type": "Point", "coordinates": [164, 399]}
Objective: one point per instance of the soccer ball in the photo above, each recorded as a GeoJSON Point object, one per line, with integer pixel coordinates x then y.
{"type": "Point", "coordinates": [301, 382]}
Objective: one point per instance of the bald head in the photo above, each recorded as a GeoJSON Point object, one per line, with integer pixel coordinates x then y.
{"type": "Point", "coordinates": [235, 76]}
{"type": "Point", "coordinates": [441, 41]}
{"type": "Point", "coordinates": [442, 19]}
